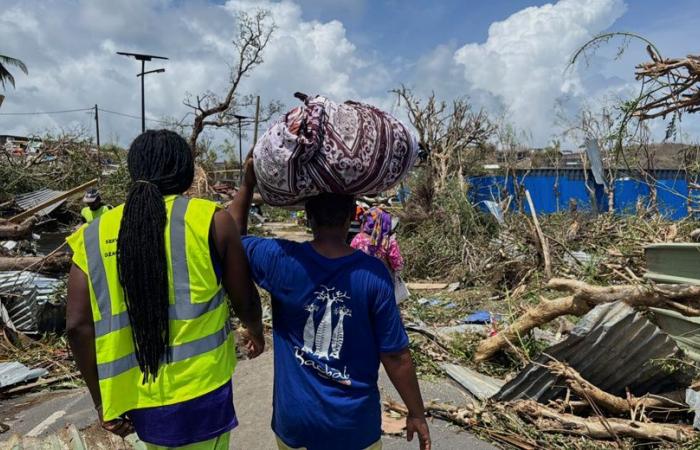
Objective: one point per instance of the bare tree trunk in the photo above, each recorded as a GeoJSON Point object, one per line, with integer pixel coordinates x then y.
{"type": "Point", "coordinates": [10, 230]}
{"type": "Point", "coordinates": [56, 263]}
{"type": "Point", "coordinates": [544, 312]}
{"type": "Point", "coordinates": [611, 403]}
{"type": "Point", "coordinates": [549, 420]}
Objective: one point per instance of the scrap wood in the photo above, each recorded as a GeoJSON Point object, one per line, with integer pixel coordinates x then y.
{"type": "Point", "coordinates": [57, 262]}
{"type": "Point", "coordinates": [9, 230]}
{"type": "Point", "coordinates": [40, 383]}
{"type": "Point", "coordinates": [463, 416]}
{"type": "Point", "coordinates": [546, 255]}
{"type": "Point", "coordinates": [35, 209]}
{"type": "Point", "coordinates": [549, 420]}
{"type": "Point", "coordinates": [613, 404]}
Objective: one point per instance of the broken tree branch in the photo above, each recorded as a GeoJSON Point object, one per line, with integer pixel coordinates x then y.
{"type": "Point", "coordinates": [546, 256]}
{"type": "Point", "coordinates": [549, 420]}
{"type": "Point", "coordinates": [611, 403]}
{"type": "Point", "coordinates": [59, 262]}
{"type": "Point", "coordinates": [682, 298]}
{"type": "Point", "coordinates": [544, 312]}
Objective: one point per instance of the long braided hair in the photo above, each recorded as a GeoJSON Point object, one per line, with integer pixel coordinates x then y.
{"type": "Point", "coordinates": [160, 163]}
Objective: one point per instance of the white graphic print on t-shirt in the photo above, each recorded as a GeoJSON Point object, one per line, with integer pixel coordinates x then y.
{"type": "Point", "coordinates": [325, 341]}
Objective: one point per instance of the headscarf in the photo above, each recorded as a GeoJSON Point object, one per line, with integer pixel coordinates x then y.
{"type": "Point", "coordinates": [377, 224]}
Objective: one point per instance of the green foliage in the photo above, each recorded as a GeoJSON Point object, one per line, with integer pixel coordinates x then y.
{"type": "Point", "coordinates": [115, 186]}
{"type": "Point", "coordinates": [435, 231]}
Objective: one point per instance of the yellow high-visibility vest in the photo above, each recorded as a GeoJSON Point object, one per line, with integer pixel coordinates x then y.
{"type": "Point", "coordinates": [91, 214]}
{"type": "Point", "coordinates": [201, 352]}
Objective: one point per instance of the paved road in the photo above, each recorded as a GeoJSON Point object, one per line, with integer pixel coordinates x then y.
{"type": "Point", "coordinates": [38, 415]}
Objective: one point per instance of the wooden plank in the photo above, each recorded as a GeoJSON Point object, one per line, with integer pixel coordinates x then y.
{"type": "Point", "coordinates": [41, 383]}
{"type": "Point", "coordinates": [540, 236]}
{"type": "Point", "coordinates": [479, 385]}
{"type": "Point", "coordinates": [30, 212]}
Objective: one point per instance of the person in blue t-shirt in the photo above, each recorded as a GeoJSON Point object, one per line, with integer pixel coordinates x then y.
{"type": "Point", "coordinates": [334, 319]}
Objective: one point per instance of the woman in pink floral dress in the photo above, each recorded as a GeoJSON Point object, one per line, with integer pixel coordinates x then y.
{"type": "Point", "coordinates": [376, 239]}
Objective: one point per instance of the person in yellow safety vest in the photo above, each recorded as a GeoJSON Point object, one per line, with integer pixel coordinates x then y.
{"type": "Point", "coordinates": [148, 316]}
{"type": "Point", "coordinates": [95, 208]}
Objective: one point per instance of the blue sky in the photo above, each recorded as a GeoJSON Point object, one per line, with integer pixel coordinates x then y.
{"type": "Point", "coordinates": [506, 56]}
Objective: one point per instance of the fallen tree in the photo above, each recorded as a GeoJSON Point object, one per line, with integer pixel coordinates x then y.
{"type": "Point", "coordinates": [551, 421]}
{"type": "Point", "coordinates": [634, 406]}
{"type": "Point", "coordinates": [55, 263]}
{"type": "Point", "coordinates": [9, 230]}
{"type": "Point", "coordinates": [682, 298]}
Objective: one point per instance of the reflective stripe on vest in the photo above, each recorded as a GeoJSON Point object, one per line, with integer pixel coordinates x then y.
{"type": "Point", "coordinates": [182, 309]}
{"type": "Point", "coordinates": [175, 353]}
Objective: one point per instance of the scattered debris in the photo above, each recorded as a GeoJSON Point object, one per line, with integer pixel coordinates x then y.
{"type": "Point", "coordinates": [479, 385]}
{"type": "Point", "coordinates": [393, 423]}
{"type": "Point", "coordinates": [613, 347]}
{"type": "Point", "coordinates": [30, 301]}
{"type": "Point", "coordinates": [426, 286]}
{"type": "Point", "coordinates": [12, 373]}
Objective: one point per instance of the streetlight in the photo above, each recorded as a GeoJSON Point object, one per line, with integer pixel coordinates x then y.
{"type": "Point", "coordinates": [143, 58]}
{"type": "Point", "coordinates": [240, 144]}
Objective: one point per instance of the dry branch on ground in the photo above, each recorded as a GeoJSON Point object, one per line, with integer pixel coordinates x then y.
{"type": "Point", "coordinates": [682, 298]}
{"type": "Point", "coordinates": [632, 406]}
{"type": "Point", "coordinates": [551, 421]}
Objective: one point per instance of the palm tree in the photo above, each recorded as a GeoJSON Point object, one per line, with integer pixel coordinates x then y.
{"type": "Point", "coordinates": [5, 75]}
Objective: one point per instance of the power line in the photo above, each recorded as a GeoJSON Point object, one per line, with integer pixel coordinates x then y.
{"type": "Point", "coordinates": [45, 112]}
{"type": "Point", "coordinates": [132, 116]}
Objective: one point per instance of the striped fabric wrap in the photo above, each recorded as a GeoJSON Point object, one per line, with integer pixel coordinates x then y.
{"type": "Point", "coordinates": [322, 146]}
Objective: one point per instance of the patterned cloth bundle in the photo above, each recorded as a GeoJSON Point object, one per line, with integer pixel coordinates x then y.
{"type": "Point", "coordinates": [322, 146]}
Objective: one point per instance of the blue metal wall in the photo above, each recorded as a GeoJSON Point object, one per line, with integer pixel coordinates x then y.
{"type": "Point", "coordinates": [553, 190]}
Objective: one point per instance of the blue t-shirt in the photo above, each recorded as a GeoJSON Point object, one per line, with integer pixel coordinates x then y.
{"type": "Point", "coordinates": [331, 319]}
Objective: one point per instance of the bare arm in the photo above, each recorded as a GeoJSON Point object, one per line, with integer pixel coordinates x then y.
{"type": "Point", "coordinates": [80, 329]}
{"type": "Point", "coordinates": [236, 276]}
{"type": "Point", "coordinates": [399, 367]}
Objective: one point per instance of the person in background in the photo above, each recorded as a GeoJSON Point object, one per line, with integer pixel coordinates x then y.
{"type": "Point", "coordinates": [94, 207]}
{"type": "Point", "coordinates": [148, 318]}
{"type": "Point", "coordinates": [376, 238]}
{"type": "Point", "coordinates": [334, 319]}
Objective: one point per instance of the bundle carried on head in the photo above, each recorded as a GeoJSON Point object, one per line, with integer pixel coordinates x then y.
{"type": "Point", "coordinates": [322, 146]}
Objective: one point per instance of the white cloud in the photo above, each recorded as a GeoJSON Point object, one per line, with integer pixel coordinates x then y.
{"type": "Point", "coordinates": [523, 61]}
{"type": "Point", "coordinates": [70, 48]}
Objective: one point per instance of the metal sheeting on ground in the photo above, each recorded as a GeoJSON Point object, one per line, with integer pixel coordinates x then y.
{"type": "Point", "coordinates": [12, 373]}
{"type": "Point", "coordinates": [614, 347]}
{"type": "Point", "coordinates": [31, 199]}
{"type": "Point", "coordinates": [24, 295]}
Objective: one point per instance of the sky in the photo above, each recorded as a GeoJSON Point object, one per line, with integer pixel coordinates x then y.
{"type": "Point", "coordinates": [508, 57]}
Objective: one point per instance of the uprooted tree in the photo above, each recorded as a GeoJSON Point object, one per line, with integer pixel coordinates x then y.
{"type": "Point", "coordinates": [214, 110]}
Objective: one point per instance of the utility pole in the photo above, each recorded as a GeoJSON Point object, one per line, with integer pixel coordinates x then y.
{"type": "Point", "coordinates": [240, 145]}
{"type": "Point", "coordinates": [97, 137]}
{"type": "Point", "coordinates": [143, 58]}
{"type": "Point", "coordinates": [257, 120]}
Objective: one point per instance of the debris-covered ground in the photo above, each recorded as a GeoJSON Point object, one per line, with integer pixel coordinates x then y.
{"type": "Point", "coordinates": [568, 331]}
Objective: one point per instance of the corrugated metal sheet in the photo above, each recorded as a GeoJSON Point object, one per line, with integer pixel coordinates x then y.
{"type": "Point", "coordinates": [675, 263]}
{"type": "Point", "coordinates": [31, 199]}
{"type": "Point", "coordinates": [614, 347]}
{"type": "Point", "coordinates": [12, 373]}
{"type": "Point", "coordinates": [24, 294]}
